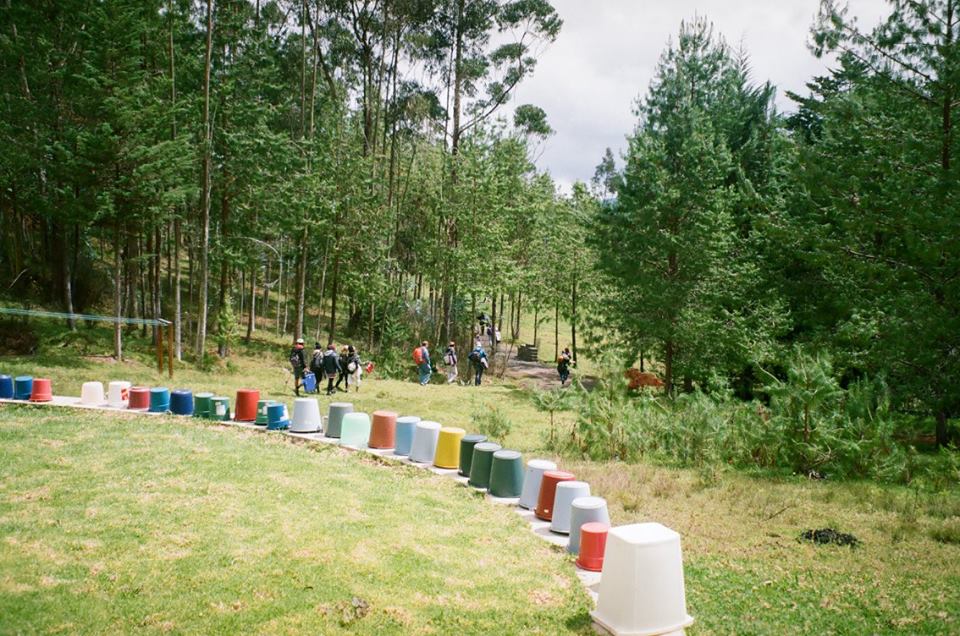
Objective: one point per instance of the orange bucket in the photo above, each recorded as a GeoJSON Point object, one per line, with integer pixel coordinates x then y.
{"type": "Point", "coordinates": [548, 492]}
{"type": "Point", "coordinates": [41, 392]}
{"type": "Point", "coordinates": [246, 410]}
{"type": "Point", "coordinates": [384, 431]}
{"type": "Point", "coordinates": [593, 541]}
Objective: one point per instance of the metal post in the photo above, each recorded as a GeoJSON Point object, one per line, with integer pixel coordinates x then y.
{"type": "Point", "coordinates": [160, 348]}
{"type": "Point", "coordinates": [170, 350]}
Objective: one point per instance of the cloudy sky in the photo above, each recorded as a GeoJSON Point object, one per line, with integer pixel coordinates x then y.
{"type": "Point", "coordinates": [605, 57]}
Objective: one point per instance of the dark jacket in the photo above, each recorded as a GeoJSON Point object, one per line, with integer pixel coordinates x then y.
{"type": "Point", "coordinates": [331, 362]}
{"type": "Point", "coordinates": [316, 362]}
{"type": "Point", "coordinates": [297, 353]}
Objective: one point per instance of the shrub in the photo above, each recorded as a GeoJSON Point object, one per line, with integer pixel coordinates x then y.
{"type": "Point", "coordinates": [492, 422]}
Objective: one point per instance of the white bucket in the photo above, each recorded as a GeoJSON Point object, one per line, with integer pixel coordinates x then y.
{"type": "Point", "coordinates": [567, 491]}
{"type": "Point", "coordinates": [531, 482]}
{"type": "Point", "coordinates": [641, 588]}
{"type": "Point", "coordinates": [425, 442]}
{"type": "Point", "coordinates": [119, 394]}
{"type": "Point", "coordinates": [91, 394]}
{"type": "Point", "coordinates": [306, 416]}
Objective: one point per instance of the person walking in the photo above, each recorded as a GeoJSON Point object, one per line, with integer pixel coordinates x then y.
{"type": "Point", "coordinates": [353, 367]}
{"type": "Point", "coordinates": [478, 359]}
{"type": "Point", "coordinates": [316, 361]}
{"type": "Point", "coordinates": [563, 365]}
{"type": "Point", "coordinates": [298, 361]}
{"type": "Point", "coordinates": [421, 357]}
{"type": "Point", "coordinates": [342, 370]}
{"type": "Point", "coordinates": [450, 361]}
{"type": "Point", "coordinates": [331, 366]}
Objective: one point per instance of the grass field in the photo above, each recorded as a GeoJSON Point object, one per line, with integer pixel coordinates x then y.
{"type": "Point", "coordinates": [211, 496]}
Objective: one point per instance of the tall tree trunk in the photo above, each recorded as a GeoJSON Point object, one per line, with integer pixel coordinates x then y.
{"type": "Point", "coordinates": [205, 193]}
{"type": "Point", "coordinates": [252, 316]}
{"type": "Point", "coordinates": [298, 330]}
{"type": "Point", "coordinates": [177, 305]}
{"type": "Point", "coordinates": [556, 331]}
{"type": "Point", "coordinates": [332, 332]}
{"type": "Point", "coordinates": [573, 322]}
{"type": "Point", "coordinates": [117, 291]}
{"type": "Point", "coordinates": [323, 287]}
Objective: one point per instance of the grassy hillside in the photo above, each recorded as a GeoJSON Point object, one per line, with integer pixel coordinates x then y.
{"type": "Point", "coordinates": [154, 525]}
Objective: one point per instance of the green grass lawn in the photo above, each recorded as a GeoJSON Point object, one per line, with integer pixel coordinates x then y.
{"type": "Point", "coordinates": [140, 524]}
{"type": "Point", "coordinates": [223, 503]}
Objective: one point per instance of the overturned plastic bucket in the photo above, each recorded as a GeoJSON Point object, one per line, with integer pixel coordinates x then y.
{"type": "Point", "coordinates": [159, 399]}
{"type": "Point", "coordinates": [506, 474]}
{"type": "Point", "coordinates": [406, 427]}
{"type": "Point", "coordinates": [585, 510]}
{"type": "Point", "coordinates": [247, 400]}
{"type": "Point", "coordinates": [181, 402]}
{"type": "Point", "coordinates": [335, 413]}
{"type": "Point", "coordinates": [466, 452]}
{"type": "Point", "coordinates": [203, 405]}
{"type": "Point", "coordinates": [220, 408]}
{"type": "Point", "coordinates": [6, 387]}
{"type": "Point", "coordinates": [277, 417]}
{"type": "Point", "coordinates": [481, 463]}
{"type": "Point", "coordinates": [383, 434]}
{"type": "Point", "coordinates": [641, 589]}
{"type": "Point", "coordinates": [118, 394]}
{"type": "Point", "coordinates": [593, 540]}
{"type": "Point", "coordinates": [22, 387]}
{"type": "Point", "coordinates": [306, 416]}
{"type": "Point", "coordinates": [448, 447]}
{"type": "Point", "coordinates": [139, 398]}
{"type": "Point", "coordinates": [548, 491]}
{"type": "Point", "coordinates": [263, 413]}
{"type": "Point", "coordinates": [355, 430]}
{"type": "Point", "coordinates": [531, 482]}
{"type": "Point", "coordinates": [91, 394]}
{"type": "Point", "coordinates": [567, 491]}
{"type": "Point", "coordinates": [425, 438]}
{"type": "Point", "coordinates": [42, 391]}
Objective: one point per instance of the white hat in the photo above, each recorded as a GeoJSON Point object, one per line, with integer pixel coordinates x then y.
{"type": "Point", "coordinates": [299, 340]}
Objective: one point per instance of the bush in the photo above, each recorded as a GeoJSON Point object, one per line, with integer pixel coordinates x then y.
{"type": "Point", "coordinates": [492, 422]}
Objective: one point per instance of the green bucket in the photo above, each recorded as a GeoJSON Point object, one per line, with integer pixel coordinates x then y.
{"type": "Point", "coordinates": [506, 474]}
{"type": "Point", "coordinates": [220, 410]}
{"type": "Point", "coordinates": [466, 451]}
{"type": "Point", "coordinates": [202, 405]}
{"type": "Point", "coordinates": [262, 419]}
{"type": "Point", "coordinates": [481, 463]}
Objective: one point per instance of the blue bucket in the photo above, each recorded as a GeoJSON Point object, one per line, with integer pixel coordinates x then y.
{"type": "Point", "coordinates": [6, 387]}
{"type": "Point", "coordinates": [181, 402]}
{"type": "Point", "coordinates": [159, 399]}
{"type": "Point", "coordinates": [309, 382]}
{"type": "Point", "coordinates": [22, 387]}
{"type": "Point", "coordinates": [406, 426]}
{"type": "Point", "coordinates": [276, 418]}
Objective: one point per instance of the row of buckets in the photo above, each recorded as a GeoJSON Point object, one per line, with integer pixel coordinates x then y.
{"type": "Point", "coordinates": [641, 588]}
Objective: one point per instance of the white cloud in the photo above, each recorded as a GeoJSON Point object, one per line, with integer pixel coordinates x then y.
{"type": "Point", "coordinates": [589, 80]}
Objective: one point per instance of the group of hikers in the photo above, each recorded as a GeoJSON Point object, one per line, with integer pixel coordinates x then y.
{"type": "Point", "coordinates": [478, 362]}
{"type": "Point", "coordinates": [344, 367]}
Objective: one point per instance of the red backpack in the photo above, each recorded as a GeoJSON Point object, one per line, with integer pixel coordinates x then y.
{"type": "Point", "coordinates": [418, 355]}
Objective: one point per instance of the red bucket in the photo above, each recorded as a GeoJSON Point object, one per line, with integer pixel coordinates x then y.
{"type": "Point", "coordinates": [384, 431]}
{"type": "Point", "coordinates": [593, 541]}
{"type": "Point", "coordinates": [246, 410]}
{"type": "Point", "coordinates": [42, 392]}
{"type": "Point", "coordinates": [548, 491]}
{"type": "Point", "coordinates": [139, 398]}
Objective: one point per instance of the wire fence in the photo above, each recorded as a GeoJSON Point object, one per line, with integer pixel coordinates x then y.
{"type": "Point", "coordinates": [36, 313]}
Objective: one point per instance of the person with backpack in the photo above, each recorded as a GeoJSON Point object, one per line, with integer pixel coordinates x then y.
{"type": "Point", "coordinates": [299, 362]}
{"type": "Point", "coordinates": [316, 361]}
{"type": "Point", "coordinates": [478, 359]}
{"type": "Point", "coordinates": [450, 361]}
{"type": "Point", "coordinates": [330, 366]}
{"type": "Point", "coordinates": [421, 357]}
{"type": "Point", "coordinates": [563, 365]}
